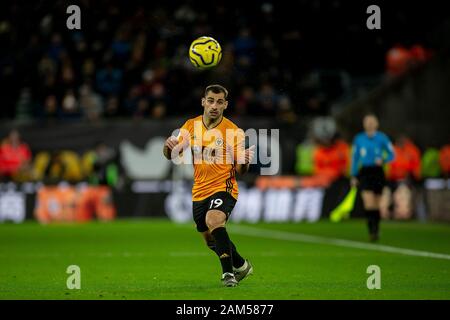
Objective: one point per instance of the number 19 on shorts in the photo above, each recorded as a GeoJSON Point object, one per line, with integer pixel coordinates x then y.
{"type": "Point", "coordinates": [215, 203]}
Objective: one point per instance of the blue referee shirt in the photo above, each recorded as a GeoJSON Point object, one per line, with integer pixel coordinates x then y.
{"type": "Point", "coordinates": [367, 149]}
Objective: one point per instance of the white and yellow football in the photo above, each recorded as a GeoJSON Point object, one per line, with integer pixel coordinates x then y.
{"type": "Point", "coordinates": [205, 52]}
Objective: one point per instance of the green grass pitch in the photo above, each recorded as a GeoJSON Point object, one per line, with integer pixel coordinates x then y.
{"type": "Point", "coordinates": [157, 259]}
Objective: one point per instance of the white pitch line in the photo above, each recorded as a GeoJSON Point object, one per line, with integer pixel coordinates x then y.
{"type": "Point", "coordinates": [188, 254]}
{"type": "Point", "coordinates": [289, 236]}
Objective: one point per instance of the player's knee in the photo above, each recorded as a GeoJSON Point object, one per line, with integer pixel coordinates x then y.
{"type": "Point", "coordinates": [370, 204]}
{"type": "Point", "coordinates": [214, 224]}
{"type": "Point", "coordinates": [369, 200]}
{"type": "Point", "coordinates": [215, 220]}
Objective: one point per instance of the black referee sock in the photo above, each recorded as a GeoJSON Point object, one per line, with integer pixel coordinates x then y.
{"type": "Point", "coordinates": [238, 261]}
{"type": "Point", "coordinates": [373, 220]}
{"type": "Point", "coordinates": [370, 221]}
{"type": "Point", "coordinates": [223, 248]}
{"type": "Point", "coordinates": [376, 223]}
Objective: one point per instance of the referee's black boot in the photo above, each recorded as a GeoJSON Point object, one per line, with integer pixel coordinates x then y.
{"type": "Point", "coordinates": [374, 237]}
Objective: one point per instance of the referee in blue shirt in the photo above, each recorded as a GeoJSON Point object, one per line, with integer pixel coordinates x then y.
{"type": "Point", "coordinates": [371, 149]}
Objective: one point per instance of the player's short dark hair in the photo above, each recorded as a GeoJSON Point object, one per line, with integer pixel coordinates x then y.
{"type": "Point", "coordinates": [370, 114]}
{"type": "Point", "coordinates": [216, 88]}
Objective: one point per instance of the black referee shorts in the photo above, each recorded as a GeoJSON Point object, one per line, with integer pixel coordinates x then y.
{"type": "Point", "coordinates": [222, 201]}
{"type": "Point", "coordinates": [372, 179]}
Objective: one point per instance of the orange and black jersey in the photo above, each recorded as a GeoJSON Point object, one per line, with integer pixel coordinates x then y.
{"type": "Point", "coordinates": [215, 152]}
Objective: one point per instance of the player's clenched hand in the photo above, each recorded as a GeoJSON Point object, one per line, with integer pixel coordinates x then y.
{"type": "Point", "coordinates": [171, 142]}
{"type": "Point", "coordinates": [249, 154]}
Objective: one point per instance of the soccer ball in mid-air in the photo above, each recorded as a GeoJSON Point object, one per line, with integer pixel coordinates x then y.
{"type": "Point", "coordinates": [205, 52]}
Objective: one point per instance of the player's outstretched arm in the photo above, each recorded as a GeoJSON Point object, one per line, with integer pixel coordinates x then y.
{"type": "Point", "coordinates": [249, 154]}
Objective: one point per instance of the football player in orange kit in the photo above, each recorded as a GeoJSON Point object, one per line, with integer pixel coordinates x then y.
{"type": "Point", "coordinates": [218, 150]}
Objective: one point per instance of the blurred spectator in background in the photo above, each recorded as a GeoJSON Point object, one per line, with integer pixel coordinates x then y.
{"type": "Point", "coordinates": [419, 54]}
{"type": "Point", "coordinates": [142, 109]}
{"type": "Point", "coordinates": [55, 170]}
{"type": "Point", "coordinates": [444, 160]}
{"type": "Point", "coordinates": [15, 156]}
{"type": "Point", "coordinates": [402, 174]}
{"type": "Point", "coordinates": [431, 167]}
{"type": "Point", "coordinates": [244, 46]}
{"type": "Point", "coordinates": [91, 103]}
{"type": "Point", "coordinates": [285, 111]}
{"type": "Point", "coordinates": [97, 199]}
{"type": "Point", "coordinates": [56, 47]}
{"type": "Point", "coordinates": [332, 159]}
{"type": "Point", "coordinates": [121, 46]}
{"type": "Point", "coordinates": [246, 102]}
{"type": "Point", "coordinates": [331, 162]}
{"type": "Point", "coordinates": [70, 108]}
{"type": "Point", "coordinates": [159, 110]}
{"type": "Point", "coordinates": [109, 79]}
{"type": "Point", "coordinates": [406, 164]}
{"type": "Point", "coordinates": [112, 107]}
{"type": "Point", "coordinates": [50, 110]}
{"type": "Point", "coordinates": [106, 168]}
{"type": "Point", "coordinates": [399, 59]}
{"type": "Point", "coordinates": [63, 166]}
{"type": "Point", "coordinates": [267, 100]}
{"type": "Point", "coordinates": [131, 101]}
